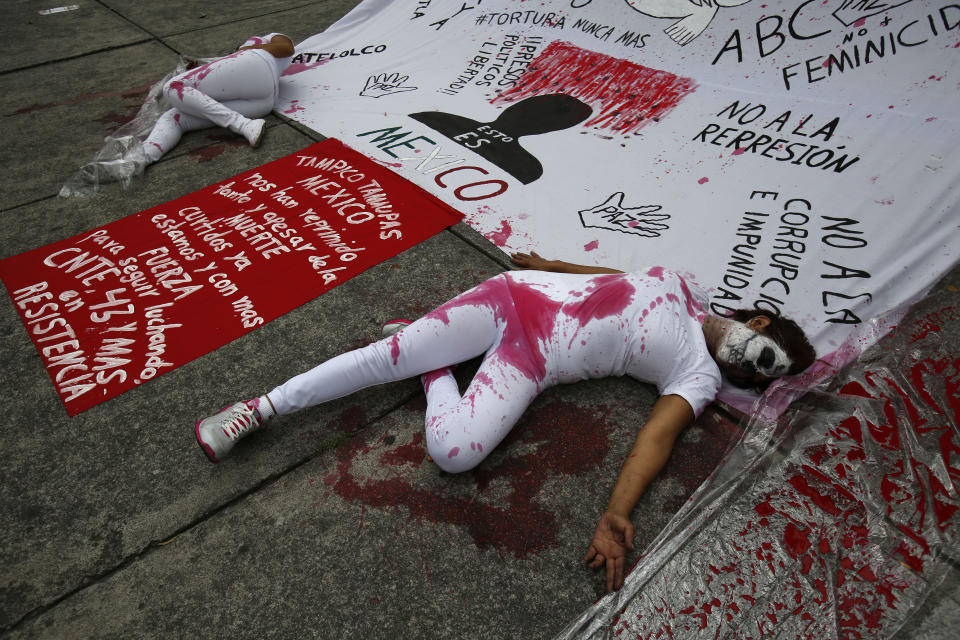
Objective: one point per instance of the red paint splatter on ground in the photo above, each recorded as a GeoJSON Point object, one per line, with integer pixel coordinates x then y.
{"type": "Point", "coordinates": [412, 453]}
{"type": "Point", "coordinates": [206, 154]}
{"type": "Point", "coordinates": [562, 439]}
{"type": "Point", "coordinates": [350, 419]}
{"type": "Point", "coordinates": [501, 235]}
{"type": "Point", "coordinates": [739, 151]}
{"type": "Point", "coordinates": [86, 97]}
{"type": "Point", "coordinates": [118, 117]}
{"type": "Point", "coordinates": [591, 246]}
{"type": "Point", "coordinates": [625, 96]}
{"type": "Point", "coordinates": [703, 180]}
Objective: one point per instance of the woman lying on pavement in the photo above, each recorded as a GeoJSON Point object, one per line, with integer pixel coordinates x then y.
{"type": "Point", "coordinates": [234, 92]}
{"type": "Point", "coordinates": [554, 323]}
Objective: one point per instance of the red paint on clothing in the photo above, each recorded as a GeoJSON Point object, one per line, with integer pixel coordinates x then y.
{"type": "Point", "coordinates": [537, 315]}
{"type": "Point", "coordinates": [625, 96]}
{"type": "Point", "coordinates": [177, 86]}
{"type": "Point", "coordinates": [395, 348]}
{"type": "Point", "coordinates": [694, 309]}
{"type": "Point", "coordinates": [429, 378]}
{"type": "Point", "coordinates": [606, 296]}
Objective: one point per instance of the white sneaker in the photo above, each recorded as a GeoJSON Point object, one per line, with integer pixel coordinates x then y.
{"type": "Point", "coordinates": [253, 130]}
{"type": "Point", "coordinates": [217, 434]}
{"type": "Point", "coordinates": [393, 326]}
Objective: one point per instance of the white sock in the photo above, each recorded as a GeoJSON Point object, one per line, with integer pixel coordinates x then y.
{"type": "Point", "coordinates": [265, 407]}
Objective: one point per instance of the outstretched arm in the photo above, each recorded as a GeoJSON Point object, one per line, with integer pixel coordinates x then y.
{"type": "Point", "coordinates": [614, 533]}
{"type": "Point", "coordinates": [533, 261]}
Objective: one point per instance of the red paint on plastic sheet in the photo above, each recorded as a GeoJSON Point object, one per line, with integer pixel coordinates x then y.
{"type": "Point", "coordinates": [116, 306]}
{"type": "Point", "coordinates": [560, 438]}
{"type": "Point", "coordinates": [625, 96]}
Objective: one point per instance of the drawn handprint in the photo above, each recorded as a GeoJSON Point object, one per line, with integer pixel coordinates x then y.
{"type": "Point", "coordinates": [384, 84]}
{"type": "Point", "coordinates": [611, 214]}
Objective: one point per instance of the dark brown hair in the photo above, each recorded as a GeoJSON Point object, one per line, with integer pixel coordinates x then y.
{"type": "Point", "coordinates": [786, 333]}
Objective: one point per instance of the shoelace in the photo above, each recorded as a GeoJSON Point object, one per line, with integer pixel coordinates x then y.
{"type": "Point", "coordinates": [238, 424]}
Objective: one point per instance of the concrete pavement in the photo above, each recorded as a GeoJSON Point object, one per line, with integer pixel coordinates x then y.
{"type": "Point", "coordinates": [330, 524]}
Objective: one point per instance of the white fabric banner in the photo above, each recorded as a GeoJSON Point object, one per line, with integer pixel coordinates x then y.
{"type": "Point", "coordinates": [799, 157]}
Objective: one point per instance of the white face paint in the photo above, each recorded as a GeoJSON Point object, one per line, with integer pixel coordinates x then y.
{"type": "Point", "coordinates": [752, 352]}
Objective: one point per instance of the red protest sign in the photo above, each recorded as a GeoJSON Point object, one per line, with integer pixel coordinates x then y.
{"type": "Point", "coordinates": [116, 306]}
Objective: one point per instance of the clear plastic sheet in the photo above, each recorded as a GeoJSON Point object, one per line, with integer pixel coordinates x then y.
{"type": "Point", "coordinates": [833, 520]}
{"type": "Point", "coordinates": [121, 158]}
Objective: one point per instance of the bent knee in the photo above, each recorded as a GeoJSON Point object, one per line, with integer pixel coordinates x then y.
{"type": "Point", "coordinates": [453, 457]}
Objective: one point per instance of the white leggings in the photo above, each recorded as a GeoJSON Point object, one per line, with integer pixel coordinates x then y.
{"type": "Point", "coordinates": [226, 93]}
{"type": "Point", "coordinates": [461, 430]}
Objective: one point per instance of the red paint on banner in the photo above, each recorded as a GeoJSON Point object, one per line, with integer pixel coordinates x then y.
{"type": "Point", "coordinates": [625, 96]}
{"type": "Point", "coordinates": [561, 439]}
{"type": "Point", "coordinates": [299, 67]}
{"type": "Point", "coordinates": [294, 107]}
{"type": "Point", "coordinates": [501, 235]}
{"type": "Point", "coordinates": [656, 272]}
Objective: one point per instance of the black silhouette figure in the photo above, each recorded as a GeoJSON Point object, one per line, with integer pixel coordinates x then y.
{"type": "Point", "coordinates": [497, 141]}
